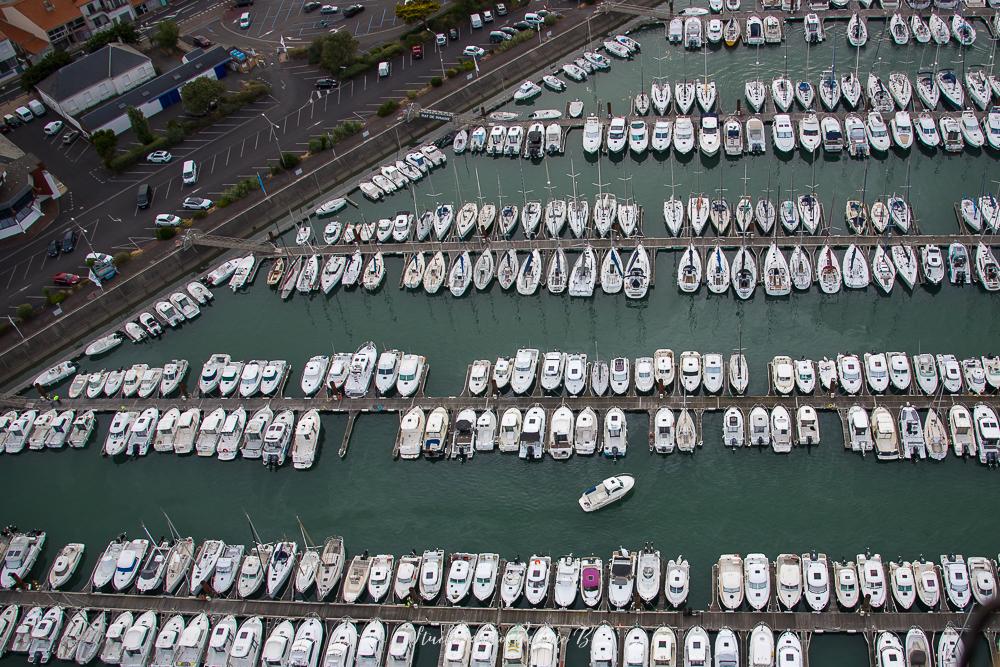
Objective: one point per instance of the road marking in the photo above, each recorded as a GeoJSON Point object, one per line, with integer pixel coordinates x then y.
{"type": "Point", "coordinates": [11, 279]}
{"type": "Point", "coordinates": [230, 150]}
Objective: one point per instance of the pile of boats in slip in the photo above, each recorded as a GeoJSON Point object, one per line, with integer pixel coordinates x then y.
{"type": "Point", "coordinates": [856, 271]}
{"type": "Point", "coordinates": [886, 123]}
{"type": "Point", "coordinates": [570, 372]}
{"type": "Point", "coordinates": [579, 278]}
{"type": "Point", "coordinates": [391, 177]}
{"type": "Point", "coordinates": [443, 222]}
{"type": "Point", "coordinates": [264, 435]}
{"type": "Point", "coordinates": [632, 579]}
{"type": "Point", "coordinates": [694, 29]}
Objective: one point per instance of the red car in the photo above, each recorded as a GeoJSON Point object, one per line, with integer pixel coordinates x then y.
{"type": "Point", "coordinates": [66, 279]}
{"type": "Point", "coordinates": [417, 51]}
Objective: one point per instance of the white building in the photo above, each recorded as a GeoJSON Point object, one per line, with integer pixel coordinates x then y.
{"type": "Point", "coordinates": [85, 83]}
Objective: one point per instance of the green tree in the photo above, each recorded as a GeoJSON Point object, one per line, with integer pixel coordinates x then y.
{"type": "Point", "coordinates": [140, 125]}
{"type": "Point", "coordinates": [417, 10]}
{"type": "Point", "coordinates": [167, 34]}
{"type": "Point", "coordinates": [105, 143]}
{"type": "Point", "coordinates": [43, 68]}
{"type": "Point", "coordinates": [116, 32]}
{"type": "Point", "coordinates": [198, 95]}
{"type": "Point", "coordinates": [333, 51]}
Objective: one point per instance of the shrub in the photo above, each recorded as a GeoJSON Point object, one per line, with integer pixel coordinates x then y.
{"type": "Point", "coordinates": [166, 233]}
{"type": "Point", "coordinates": [290, 160]}
{"type": "Point", "coordinates": [199, 215]}
{"type": "Point", "coordinates": [57, 298]}
{"type": "Point", "coordinates": [387, 108]}
{"type": "Point", "coordinates": [122, 258]}
{"type": "Point", "coordinates": [466, 66]}
{"type": "Point", "coordinates": [412, 94]}
{"type": "Point", "coordinates": [436, 81]}
{"type": "Point", "coordinates": [345, 129]}
{"type": "Point", "coordinates": [317, 144]}
{"type": "Point", "coordinates": [25, 312]}
{"type": "Point", "coordinates": [451, 72]}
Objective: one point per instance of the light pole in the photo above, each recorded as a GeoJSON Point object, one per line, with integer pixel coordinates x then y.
{"type": "Point", "coordinates": [437, 47]}
{"type": "Point", "coordinates": [273, 127]}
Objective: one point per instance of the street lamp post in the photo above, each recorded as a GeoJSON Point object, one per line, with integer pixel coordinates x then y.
{"type": "Point", "coordinates": [273, 127]}
{"type": "Point", "coordinates": [437, 47]}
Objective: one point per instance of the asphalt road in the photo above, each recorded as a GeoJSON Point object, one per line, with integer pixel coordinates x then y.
{"type": "Point", "coordinates": [102, 206]}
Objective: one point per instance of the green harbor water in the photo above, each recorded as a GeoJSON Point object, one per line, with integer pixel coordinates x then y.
{"type": "Point", "coordinates": [716, 501]}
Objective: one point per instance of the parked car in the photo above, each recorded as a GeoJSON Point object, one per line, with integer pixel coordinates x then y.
{"type": "Point", "coordinates": [327, 83]}
{"type": "Point", "coordinates": [197, 204]}
{"type": "Point", "coordinates": [70, 137]}
{"type": "Point", "coordinates": [53, 250]}
{"type": "Point", "coordinates": [453, 34]}
{"type": "Point", "coordinates": [473, 51]}
{"type": "Point", "coordinates": [353, 10]}
{"type": "Point", "coordinates": [167, 220]}
{"type": "Point", "coordinates": [53, 128]}
{"type": "Point", "coordinates": [311, 6]}
{"type": "Point", "coordinates": [523, 25]}
{"type": "Point", "coordinates": [69, 240]}
{"type": "Point", "coordinates": [329, 9]}
{"type": "Point", "coordinates": [384, 69]}
{"type": "Point", "coordinates": [417, 51]}
{"type": "Point", "coordinates": [441, 39]}
{"type": "Point", "coordinates": [501, 9]}
{"type": "Point", "coordinates": [159, 157]}
{"type": "Point", "coordinates": [64, 279]}
{"type": "Point", "coordinates": [201, 42]}
{"type": "Point", "coordinates": [510, 31]}
{"type": "Point", "coordinates": [498, 36]}
{"type": "Point", "coordinates": [244, 20]}
{"type": "Point", "coordinates": [487, 16]}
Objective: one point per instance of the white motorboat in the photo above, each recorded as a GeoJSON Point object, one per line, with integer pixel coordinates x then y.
{"type": "Point", "coordinates": [610, 491]}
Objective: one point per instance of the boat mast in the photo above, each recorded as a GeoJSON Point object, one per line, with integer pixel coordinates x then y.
{"type": "Point", "coordinates": [170, 526]}
{"type": "Point", "coordinates": [256, 540]}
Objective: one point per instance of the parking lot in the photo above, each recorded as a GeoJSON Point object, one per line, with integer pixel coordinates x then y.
{"type": "Point", "coordinates": [102, 206]}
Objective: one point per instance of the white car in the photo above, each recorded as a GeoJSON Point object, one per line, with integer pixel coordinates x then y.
{"type": "Point", "coordinates": [53, 127]}
{"type": "Point", "coordinates": [329, 9]}
{"type": "Point", "coordinates": [441, 39]}
{"type": "Point", "coordinates": [197, 204]}
{"type": "Point", "coordinates": [474, 51]}
{"type": "Point", "coordinates": [167, 220]}
{"type": "Point", "coordinates": [159, 157]}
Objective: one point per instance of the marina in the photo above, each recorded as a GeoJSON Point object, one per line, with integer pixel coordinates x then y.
{"type": "Point", "coordinates": [772, 513]}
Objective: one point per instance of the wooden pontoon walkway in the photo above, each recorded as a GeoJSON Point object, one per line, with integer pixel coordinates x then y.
{"type": "Point", "coordinates": [264, 249]}
{"type": "Point", "coordinates": [830, 621]}
{"type": "Point", "coordinates": [628, 403]}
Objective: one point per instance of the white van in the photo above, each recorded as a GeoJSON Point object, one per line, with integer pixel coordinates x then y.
{"type": "Point", "coordinates": [190, 172]}
{"type": "Point", "coordinates": [24, 114]}
{"type": "Point", "coordinates": [37, 108]}
{"type": "Point", "coordinates": [534, 19]}
{"type": "Point", "coordinates": [245, 20]}
{"type": "Point", "coordinates": [384, 69]}
{"type": "Point", "coordinates": [477, 21]}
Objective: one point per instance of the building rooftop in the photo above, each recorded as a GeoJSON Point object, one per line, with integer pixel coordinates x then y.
{"type": "Point", "coordinates": [106, 63]}
{"type": "Point", "coordinates": [30, 43]}
{"type": "Point", "coordinates": [16, 178]}
{"type": "Point", "coordinates": [47, 14]}
{"type": "Point", "coordinates": [198, 61]}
